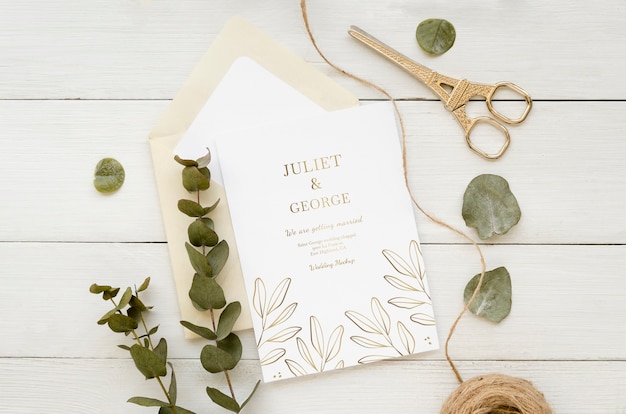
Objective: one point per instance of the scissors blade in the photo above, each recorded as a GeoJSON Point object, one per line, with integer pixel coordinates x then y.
{"type": "Point", "coordinates": [421, 72]}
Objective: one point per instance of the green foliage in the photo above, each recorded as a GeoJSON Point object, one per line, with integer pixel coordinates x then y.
{"type": "Point", "coordinates": [126, 316]}
{"type": "Point", "coordinates": [109, 175]}
{"type": "Point", "coordinates": [493, 300]}
{"type": "Point", "coordinates": [435, 36]}
{"type": "Point", "coordinates": [490, 206]}
{"type": "Point", "coordinates": [208, 256]}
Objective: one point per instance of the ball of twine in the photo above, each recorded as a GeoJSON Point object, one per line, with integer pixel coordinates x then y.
{"type": "Point", "coordinates": [496, 394]}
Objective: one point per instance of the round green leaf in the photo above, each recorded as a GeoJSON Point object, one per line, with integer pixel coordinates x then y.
{"type": "Point", "coordinates": [232, 345]}
{"type": "Point", "coordinates": [148, 362]}
{"type": "Point", "coordinates": [435, 36]}
{"type": "Point", "coordinates": [109, 175]}
{"type": "Point", "coordinates": [218, 256]}
{"type": "Point", "coordinates": [121, 323]}
{"type": "Point", "coordinates": [200, 234]}
{"type": "Point", "coordinates": [216, 360]}
{"type": "Point", "coordinates": [190, 208]}
{"type": "Point", "coordinates": [493, 300]}
{"type": "Point", "coordinates": [205, 293]}
{"type": "Point", "coordinates": [195, 179]}
{"type": "Point", "coordinates": [489, 206]}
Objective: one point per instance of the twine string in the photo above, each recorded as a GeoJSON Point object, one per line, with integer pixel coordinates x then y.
{"type": "Point", "coordinates": [406, 180]}
{"type": "Point", "coordinates": [488, 394]}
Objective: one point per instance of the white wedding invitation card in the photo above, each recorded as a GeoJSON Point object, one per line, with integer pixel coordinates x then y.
{"type": "Point", "coordinates": [327, 240]}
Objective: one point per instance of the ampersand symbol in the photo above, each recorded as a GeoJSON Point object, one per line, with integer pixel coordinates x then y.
{"type": "Point", "coordinates": [315, 185]}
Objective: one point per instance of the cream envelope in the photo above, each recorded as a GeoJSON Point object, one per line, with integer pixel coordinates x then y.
{"type": "Point", "coordinates": [237, 38]}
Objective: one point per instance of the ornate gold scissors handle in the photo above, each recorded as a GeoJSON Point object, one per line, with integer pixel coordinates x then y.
{"type": "Point", "coordinates": [454, 93]}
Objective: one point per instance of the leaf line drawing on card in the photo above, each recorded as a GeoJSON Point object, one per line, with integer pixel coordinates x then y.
{"type": "Point", "coordinates": [323, 351]}
{"type": "Point", "coordinates": [380, 325]}
{"type": "Point", "coordinates": [273, 314]}
{"type": "Point", "coordinates": [413, 281]}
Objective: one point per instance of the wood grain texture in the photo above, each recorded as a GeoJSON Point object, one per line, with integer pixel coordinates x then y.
{"type": "Point", "coordinates": [80, 81]}
{"type": "Point", "coordinates": [144, 49]}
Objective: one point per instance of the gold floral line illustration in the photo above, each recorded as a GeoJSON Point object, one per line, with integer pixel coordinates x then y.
{"type": "Point", "coordinates": [272, 314]}
{"type": "Point", "coordinates": [380, 325]}
{"type": "Point", "coordinates": [324, 352]}
{"type": "Point", "coordinates": [414, 273]}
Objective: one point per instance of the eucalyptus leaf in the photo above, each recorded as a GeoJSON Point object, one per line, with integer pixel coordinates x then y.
{"type": "Point", "coordinates": [144, 285]}
{"type": "Point", "coordinates": [216, 360]}
{"type": "Point", "coordinates": [109, 175]}
{"type": "Point", "coordinates": [121, 323]}
{"type": "Point", "coordinates": [179, 410]}
{"type": "Point", "coordinates": [200, 234]}
{"type": "Point", "coordinates": [493, 300]}
{"type": "Point", "coordinates": [205, 293]}
{"type": "Point", "coordinates": [148, 402]}
{"type": "Point", "coordinates": [110, 294]}
{"type": "Point", "coordinates": [134, 313]}
{"type": "Point", "coordinates": [184, 162]}
{"type": "Point", "coordinates": [232, 345]}
{"type": "Point", "coordinates": [435, 36]}
{"type": "Point", "coordinates": [199, 262]}
{"type": "Point", "coordinates": [206, 333]}
{"type": "Point", "coordinates": [173, 388]}
{"type": "Point", "coordinates": [190, 208]}
{"type": "Point", "coordinates": [125, 299]}
{"type": "Point", "coordinates": [95, 288]}
{"type": "Point", "coordinates": [218, 256]}
{"type": "Point", "coordinates": [223, 400]}
{"type": "Point", "coordinates": [148, 362]}
{"type": "Point", "coordinates": [204, 160]}
{"type": "Point", "coordinates": [490, 206]}
{"type": "Point", "coordinates": [161, 349]}
{"type": "Point", "coordinates": [194, 179]}
{"type": "Point", "coordinates": [227, 320]}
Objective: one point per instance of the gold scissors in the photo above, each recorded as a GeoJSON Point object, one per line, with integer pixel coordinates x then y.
{"type": "Point", "coordinates": [455, 99]}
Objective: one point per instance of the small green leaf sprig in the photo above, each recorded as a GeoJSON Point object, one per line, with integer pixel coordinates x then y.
{"type": "Point", "coordinates": [127, 317]}
{"type": "Point", "coordinates": [208, 255]}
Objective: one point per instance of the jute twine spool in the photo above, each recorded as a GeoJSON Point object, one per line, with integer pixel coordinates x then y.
{"type": "Point", "coordinates": [496, 394]}
{"type": "Point", "coordinates": [484, 394]}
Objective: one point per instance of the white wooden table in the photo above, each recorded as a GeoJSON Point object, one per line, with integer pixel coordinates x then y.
{"type": "Point", "coordinates": [82, 80]}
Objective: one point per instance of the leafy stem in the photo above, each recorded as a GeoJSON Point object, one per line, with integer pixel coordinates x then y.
{"type": "Point", "coordinates": [208, 255]}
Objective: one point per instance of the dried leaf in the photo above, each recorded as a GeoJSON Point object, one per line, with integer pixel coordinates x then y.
{"type": "Point", "coordinates": [200, 234]}
{"type": "Point", "coordinates": [490, 206]}
{"type": "Point", "coordinates": [206, 293]}
{"type": "Point", "coordinates": [223, 400]}
{"type": "Point", "coordinates": [227, 320]}
{"type": "Point", "coordinates": [109, 175]}
{"type": "Point", "coordinates": [206, 333]}
{"type": "Point", "coordinates": [493, 300]}
{"type": "Point", "coordinates": [148, 402]}
{"type": "Point", "coordinates": [435, 36]}
{"type": "Point", "coordinates": [148, 362]}
{"type": "Point", "coordinates": [216, 360]}
{"type": "Point", "coordinates": [218, 256]}
{"type": "Point", "coordinates": [194, 179]}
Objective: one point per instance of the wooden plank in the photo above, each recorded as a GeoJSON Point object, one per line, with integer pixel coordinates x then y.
{"type": "Point", "coordinates": [103, 386]}
{"type": "Point", "coordinates": [565, 174]}
{"type": "Point", "coordinates": [145, 49]}
{"type": "Point", "coordinates": [567, 301]}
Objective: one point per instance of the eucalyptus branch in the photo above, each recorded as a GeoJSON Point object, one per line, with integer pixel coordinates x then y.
{"type": "Point", "coordinates": [208, 255]}
{"type": "Point", "coordinates": [126, 317]}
